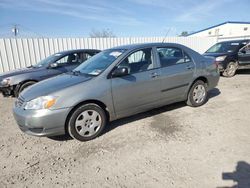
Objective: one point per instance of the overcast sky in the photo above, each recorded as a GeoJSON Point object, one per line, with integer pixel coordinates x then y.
{"type": "Point", "coordinates": [76, 18]}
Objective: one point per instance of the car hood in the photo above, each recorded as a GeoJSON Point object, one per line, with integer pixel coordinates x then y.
{"type": "Point", "coordinates": [52, 85]}
{"type": "Point", "coordinates": [215, 54]}
{"type": "Point", "coordinates": [20, 71]}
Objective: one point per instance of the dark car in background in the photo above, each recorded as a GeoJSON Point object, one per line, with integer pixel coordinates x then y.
{"type": "Point", "coordinates": [13, 82]}
{"type": "Point", "coordinates": [231, 55]}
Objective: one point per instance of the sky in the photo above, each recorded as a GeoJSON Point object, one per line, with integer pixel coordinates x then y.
{"type": "Point", "coordinates": [125, 18]}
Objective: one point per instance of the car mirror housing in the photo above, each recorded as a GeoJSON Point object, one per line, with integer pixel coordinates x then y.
{"type": "Point", "coordinates": [243, 51]}
{"type": "Point", "coordinates": [53, 65]}
{"type": "Point", "coordinates": [119, 72]}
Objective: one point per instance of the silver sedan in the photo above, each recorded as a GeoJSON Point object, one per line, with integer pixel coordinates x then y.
{"type": "Point", "coordinates": [115, 83]}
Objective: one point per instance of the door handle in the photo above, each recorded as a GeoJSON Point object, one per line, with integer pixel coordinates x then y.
{"type": "Point", "coordinates": [154, 75]}
{"type": "Point", "coordinates": [189, 66]}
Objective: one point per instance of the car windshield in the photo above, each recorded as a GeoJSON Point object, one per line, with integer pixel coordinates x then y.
{"type": "Point", "coordinates": [98, 63]}
{"type": "Point", "coordinates": [224, 47]}
{"type": "Point", "coordinates": [47, 60]}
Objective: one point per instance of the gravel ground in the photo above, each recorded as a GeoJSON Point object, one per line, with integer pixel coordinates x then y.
{"type": "Point", "coordinates": [173, 146]}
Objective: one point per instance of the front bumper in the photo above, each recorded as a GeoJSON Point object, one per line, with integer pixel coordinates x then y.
{"type": "Point", "coordinates": [41, 122]}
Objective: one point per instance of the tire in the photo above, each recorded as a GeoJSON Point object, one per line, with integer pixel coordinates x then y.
{"type": "Point", "coordinates": [24, 86]}
{"type": "Point", "coordinates": [230, 70]}
{"type": "Point", "coordinates": [87, 122]}
{"type": "Point", "coordinates": [197, 95]}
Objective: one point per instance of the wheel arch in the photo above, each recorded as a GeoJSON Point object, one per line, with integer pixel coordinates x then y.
{"type": "Point", "coordinates": [19, 85]}
{"type": "Point", "coordinates": [231, 59]}
{"type": "Point", "coordinates": [202, 78]}
{"type": "Point", "coordinates": [94, 101]}
{"type": "Point", "coordinates": [29, 80]}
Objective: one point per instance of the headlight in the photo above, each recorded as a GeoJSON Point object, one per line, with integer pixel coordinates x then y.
{"type": "Point", "coordinates": [221, 58]}
{"type": "Point", "coordinates": [5, 82]}
{"type": "Point", "coordinates": [39, 103]}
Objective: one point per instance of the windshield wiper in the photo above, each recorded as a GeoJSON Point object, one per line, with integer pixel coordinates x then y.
{"type": "Point", "coordinates": [76, 72]}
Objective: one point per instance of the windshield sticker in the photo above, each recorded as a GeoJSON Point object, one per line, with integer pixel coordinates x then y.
{"type": "Point", "coordinates": [235, 44]}
{"type": "Point", "coordinates": [115, 54]}
{"type": "Point", "coordinates": [95, 72]}
{"type": "Point", "coordinates": [58, 54]}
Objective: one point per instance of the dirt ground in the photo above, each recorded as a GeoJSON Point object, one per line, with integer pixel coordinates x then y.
{"type": "Point", "coordinates": [173, 146]}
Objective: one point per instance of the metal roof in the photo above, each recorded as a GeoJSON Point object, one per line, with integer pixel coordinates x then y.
{"type": "Point", "coordinates": [228, 22]}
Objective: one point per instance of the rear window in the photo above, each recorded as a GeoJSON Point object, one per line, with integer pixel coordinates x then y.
{"type": "Point", "coordinates": [170, 56]}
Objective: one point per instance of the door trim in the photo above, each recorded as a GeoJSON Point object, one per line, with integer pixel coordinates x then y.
{"type": "Point", "coordinates": [176, 87]}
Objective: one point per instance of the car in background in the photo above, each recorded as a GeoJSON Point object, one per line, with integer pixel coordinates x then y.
{"type": "Point", "coordinates": [231, 55]}
{"type": "Point", "coordinates": [115, 83]}
{"type": "Point", "coordinates": [14, 82]}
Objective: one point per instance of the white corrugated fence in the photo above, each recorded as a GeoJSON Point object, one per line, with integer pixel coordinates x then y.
{"type": "Point", "coordinates": [22, 52]}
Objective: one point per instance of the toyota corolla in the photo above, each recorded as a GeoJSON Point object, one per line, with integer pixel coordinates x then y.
{"type": "Point", "coordinates": [115, 83]}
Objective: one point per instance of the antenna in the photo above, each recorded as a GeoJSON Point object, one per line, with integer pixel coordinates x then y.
{"type": "Point", "coordinates": [166, 35]}
{"type": "Point", "coordinates": [15, 30]}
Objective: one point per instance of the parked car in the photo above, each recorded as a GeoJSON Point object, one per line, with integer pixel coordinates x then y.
{"type": "Point", "coordinates": [14, 82]}
{"type": "Point", "coordinates": [231, 55]}
{"type": "Point", "coordinates": [115, 83]}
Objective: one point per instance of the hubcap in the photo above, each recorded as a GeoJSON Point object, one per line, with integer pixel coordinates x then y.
{"type": "Point", "coordinates": [199, 94]}
{"type": "Point", "coordinates": [88, 123]}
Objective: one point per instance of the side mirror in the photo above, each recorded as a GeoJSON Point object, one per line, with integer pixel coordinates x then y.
{"type": "Point", "coordinates": [119, 72]}
{"type": "Point", "coordinates": [53, 65]}
{"type": "Point", "coordinates": [243, 51]}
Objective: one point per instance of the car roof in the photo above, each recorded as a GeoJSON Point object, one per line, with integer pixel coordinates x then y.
{"type": "Point", "coordinates": [236, 41]}
{"type": "Point", "coordinates": [145, 45]}
{"type": "Point", "coordinates": [78, 50]}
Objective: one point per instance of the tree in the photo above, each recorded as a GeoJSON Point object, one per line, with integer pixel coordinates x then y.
{"type": "Point", "coordinates": [105, 33]}
{"type": "Point", "coordinates": [183, 34]}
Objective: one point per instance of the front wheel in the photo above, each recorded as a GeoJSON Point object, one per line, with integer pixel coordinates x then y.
{"type": "Point", "coordinates": [230, 70]}
{"type": "Point", "coordinates": [197, 95]}
{"type": "Point", "coordinates": [87, 122]}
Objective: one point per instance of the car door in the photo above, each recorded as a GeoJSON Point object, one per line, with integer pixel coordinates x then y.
{"type": "Point", "coordinates": [140, 89]}
{"type": "Point", "coordinates": [244, 55]}
{"type": "Point", "coordinates": [55, 67]}
{"type": "Point", "coordinates": [67, 63]}
{"type": "Point", "coordinates": [177, 69]}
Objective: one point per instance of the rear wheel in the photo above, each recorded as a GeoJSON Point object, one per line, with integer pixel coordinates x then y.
{"type": "Point", "coordinates": [230, 70]}
{"type": "Point", "coordinates": [24, 86]}
{"type": "Point", "coordinates": [87, 122]}
{"type": "Point", "coordinates": [197, 95]}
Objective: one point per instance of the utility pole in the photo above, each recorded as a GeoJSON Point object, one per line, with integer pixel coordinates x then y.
{"type": "Point", "coordinates": [15, 30]}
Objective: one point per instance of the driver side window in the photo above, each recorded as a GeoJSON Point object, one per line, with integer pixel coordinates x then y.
{"type": "Point", "coordinates": [138, 61]}
{"type": "Point", "coordinates": [246, 49]}
{"type": "Point", "coordinates": [68, 59]}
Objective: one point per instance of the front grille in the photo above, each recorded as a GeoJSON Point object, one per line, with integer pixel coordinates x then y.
{"type": "Point", "coordinates": [19, 102]}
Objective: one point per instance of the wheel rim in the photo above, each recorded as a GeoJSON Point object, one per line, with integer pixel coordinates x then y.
{"type": "Point", "coordinates": [231, 69]}
{"type": "Point", "coordinates": [88, 123]}
{"type": "Point", "coordinates": [199, 94]}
